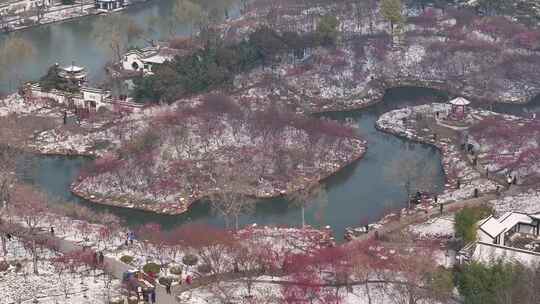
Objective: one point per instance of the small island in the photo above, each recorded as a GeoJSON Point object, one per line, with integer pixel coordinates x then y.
{"type": "Point", "coordinates": [177, 155]}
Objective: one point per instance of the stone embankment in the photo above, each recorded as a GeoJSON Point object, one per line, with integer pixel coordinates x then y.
{"type": "Point", "coordinates": [465, 180]}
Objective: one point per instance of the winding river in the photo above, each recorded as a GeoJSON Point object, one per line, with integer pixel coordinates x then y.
{"type": "Point", "coordinates": [359, 192]}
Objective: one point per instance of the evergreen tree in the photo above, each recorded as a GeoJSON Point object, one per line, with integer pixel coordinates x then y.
{"type": "Point", "coordinates": [391, 11]}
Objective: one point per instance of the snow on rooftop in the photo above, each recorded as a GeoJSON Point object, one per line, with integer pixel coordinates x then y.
{"type": "Point", "coordinates": [494, 227]}
{"type": "Point", "coordinates": [157, 59]}
{"type": "Point", "coordinates": [510, 219]}
{"type": "Point", "coordinates": [73, 68]}
{"type": "Point", "coordinates": [460, 101]}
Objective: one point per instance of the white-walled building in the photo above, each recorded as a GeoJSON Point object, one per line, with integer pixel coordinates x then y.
{"type": "Point", "coordinates": [110, 5]}
{"type": "Point", "coordinates": [498, 230]}
{"type": "Point", "coordinates": [91, 99]}
{"type": "Point", "coordinates": [514, 236]}
{"type": "Point", "coordinates": [145, 59]}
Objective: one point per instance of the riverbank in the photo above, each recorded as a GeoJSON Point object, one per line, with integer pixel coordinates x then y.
{"type": "Point", "coordinates": [183, 206]}
{"type": "Point", "coordinates": [477, 153]}
{"type": "Point", "coordinates": [420, 123]}
{"type": "Point", "coordinates": [477, 158]}
{"type": "Point", "coordinates": [61, 13]}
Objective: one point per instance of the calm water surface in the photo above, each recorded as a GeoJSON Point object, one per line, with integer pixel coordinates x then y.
{"type": "Point", "coordinates": [73, 41]}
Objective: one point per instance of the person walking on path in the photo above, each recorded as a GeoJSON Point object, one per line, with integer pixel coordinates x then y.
{"type": "Point", "coordinates": [153, 297]}
{"type": "Point", "coordinates": [131, 237]}
{"type": "Point", "coordinates": [140, 293]}
{"type": "Point", "coordinates": [101, 258]}
{"type": "Point", "coordinates": [168, 288]}
{"type": "Point", "coordinates": [65, 117]}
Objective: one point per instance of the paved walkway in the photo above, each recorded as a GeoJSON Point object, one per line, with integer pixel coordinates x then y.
{"type": "Point", "coordinates": [116, 268]}
{"type": "Point", "coordinates": [228, 276]}
{"type": "Point", "coordinates": [405, 221]}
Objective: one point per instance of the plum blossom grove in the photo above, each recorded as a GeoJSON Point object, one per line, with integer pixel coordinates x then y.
{"type": "Point", "coordinates": [267, 259]}
{"type": "Point", "coordinates": [433, 50]}
{"type": "Point", "coordinates": [254, 139]}
{"type": "Point", "coordinates": [510, 145]}
{"type": "Point", "coordinates": [32, 258]}
{"type": "Point", "coordinates": [266, 264]}
{"type": "Point", "coordinates": [485, 58]}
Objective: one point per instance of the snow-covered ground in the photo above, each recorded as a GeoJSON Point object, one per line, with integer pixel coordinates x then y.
{"type": "Point", "coordinates": [436, 228]}
{"type": "Point", "coordinates": [509, 145]}
{"type": "Point", "coordinates": [333, 82]}
{"type": "Point", "coordinates": [112, 241]}
{"type": "Point", "coordinates": [50, 285]}
{"type": "Point", "coordinates": [14, 104]}
{"type": "Point", "coordinates": [269, 293]}
{"type": "Point", "coordinates": [527, 202]}
{"type": "Point", "coordinates": [377, 266]}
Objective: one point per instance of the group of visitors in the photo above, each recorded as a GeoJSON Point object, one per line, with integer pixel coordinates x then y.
{"type": "Point", "coordinates": [99, 258]}
{"type": "Point", "coordinates": [147, 297]}
{"type": "Point", "coordinates": [187, 279]}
